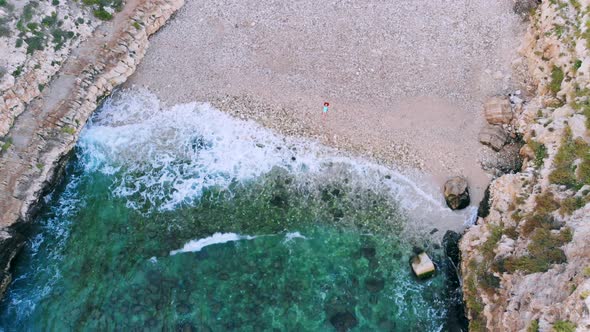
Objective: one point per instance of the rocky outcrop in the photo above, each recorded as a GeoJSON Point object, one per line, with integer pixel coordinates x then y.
{"type": "Point", "coordinates": [497, 110]}
{"type": "Point", "coordinates": [456, 192]}
{"type": "Point", "coordinates": [48, 128]}
{"type": "Point", "coordinates": [493, 136]}
{"type": "Point", "coordinates": [10, 244]}
{"type": "Point", "coordinates": [526, 263]}
{"type": "Point", "coordinates": [27, 73]}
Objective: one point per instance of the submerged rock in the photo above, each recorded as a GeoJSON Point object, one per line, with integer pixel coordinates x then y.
{"type": "Point", "coordinates": [186, 327]}
{"type": "Point", "coordinates": [493, 136]}
{"type": "Point", "coordinates": [498, 111]}
{"type": "Point", "coordinates": [423, 266]}
{"type": "Point", "coordinates": [368, 252]}
{"type": "Point", "coordinates": [456, 191]}
{"type": "Point", "coordinates": [343, 321]}
{"type": "Point", "coordinates": [374, 285]}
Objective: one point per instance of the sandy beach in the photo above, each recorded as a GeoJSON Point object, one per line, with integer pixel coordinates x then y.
{"type": "Point", "coordinates": [406, 81]}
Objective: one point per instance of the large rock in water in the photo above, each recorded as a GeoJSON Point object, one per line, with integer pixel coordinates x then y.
{"type": "Point", "coordinates": [422, 266]}
{"type": "Point", "coordinates": [456, 191]}
{"type": "Point", "coordinates": [498, 111]}
{"type": "Point", "coordinates": [493, 136]}
{"type": "Point", "coordinates": [451, 245]}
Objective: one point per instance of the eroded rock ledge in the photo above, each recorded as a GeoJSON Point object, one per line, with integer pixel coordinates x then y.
{"type": "Point", "coordinates": [526, 265]}
{"type": "Point", "coordinates": [47, 130]}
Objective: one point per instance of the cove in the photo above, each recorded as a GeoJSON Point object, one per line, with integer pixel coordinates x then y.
{"type": "Point", "coordinates": [183, 218]}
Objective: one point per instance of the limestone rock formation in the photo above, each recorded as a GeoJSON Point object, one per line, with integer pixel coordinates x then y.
{"type": "Point", "coordinates": [456, 192]}
{"type": "Point", "coordinates": [493, 136]}
{"type": "Point", "coordinates": [497, 110]}
{"type": "Point", "coordinates": [29, 69]}
{"type": "Point", "coordinates": [10, 244]}
{"type": "Point", "coordinates": [526, 264]}
{"type": "Point", "coordinates": [53, 127]}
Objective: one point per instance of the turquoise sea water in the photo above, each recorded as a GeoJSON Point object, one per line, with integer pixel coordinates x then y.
{"type": "Point", "coordinates": [183, 218]}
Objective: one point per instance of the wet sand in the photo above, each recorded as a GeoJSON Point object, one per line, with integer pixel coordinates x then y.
{"type": "Point", "coordinates": [406, 80]}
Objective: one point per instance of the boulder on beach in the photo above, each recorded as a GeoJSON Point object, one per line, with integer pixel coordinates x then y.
{"type": "Point", "coordinates": [494, 136]}
{"type": "Point", "coordinates": [456, 191]}
{"type": "Point", "coordinates": [497, 110]}
{"type": "Point", "coordinates": [422, 266]}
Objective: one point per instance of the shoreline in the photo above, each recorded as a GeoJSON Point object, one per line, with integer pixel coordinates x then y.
{"type": "Point", "coordinates": [398, 106]}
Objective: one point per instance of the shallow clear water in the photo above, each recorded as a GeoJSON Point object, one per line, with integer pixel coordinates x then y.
{"type": "Point", "coordinates": [184, 218]}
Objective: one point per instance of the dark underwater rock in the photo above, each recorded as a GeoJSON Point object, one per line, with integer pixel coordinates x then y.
{"type": "Point", "coordinates": [368, 252]}
{"type": "Point", "coordinates": [343, 321]}
{"type": "Point", "coordinates": [183, 308]}
{"type": "Point", "coordinates": [374, 285]}
{"type": "Point", "coordinates": [186, 327]}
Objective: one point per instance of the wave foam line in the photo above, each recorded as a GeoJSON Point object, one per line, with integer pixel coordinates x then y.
{"type": "Point", "coordinates": [217, 238]}
{"type": "Point", "coordinates": [165, 157]}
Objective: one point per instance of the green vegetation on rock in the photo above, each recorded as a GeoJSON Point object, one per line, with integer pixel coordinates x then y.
{"type": "Point", "coordinates": [540, 152]}
{"type": "Point", "coordinates": [6, 144]}
{"type": "Point", "coordinates": [544, 251]}
{"type": "Point", "coordinates": [564, 326]}
{"type": "Point", "coordinates": [566, 172]}
{"type": "Point", "coordinates": [68, 130]}
{"type": "Point", "coordinates": [17, 71]}
{"type": "Point", "coordinates": [534, 327]}
{"type": "Point", "coordinates": [571, 204]}
{"type": "Point", "coordinates": [477, 322]}
{"type": "Point", "coordinates": [100, 7]}
{"type": "Point", "coordinates": [102, 14]}
{"type": "Point", "coordinates": [557, 77]}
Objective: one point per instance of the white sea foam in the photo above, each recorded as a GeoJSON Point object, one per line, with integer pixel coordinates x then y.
{"type": "Point", "coordinates": [294, 235]}
{"type": "Point", "coordinates": [46, 250]}
{"type": "Point", "coordinates": [217, 238]}
{"type": "Point", "coordinates": [471, 216]}
{"type": "Point", "coordinates": [167, 156]}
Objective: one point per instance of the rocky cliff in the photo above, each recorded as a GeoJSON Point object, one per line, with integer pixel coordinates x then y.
{"type": "Point", "coordinates": [46, 128]}
{"type": "Point", "coordinates": [526, 264]}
